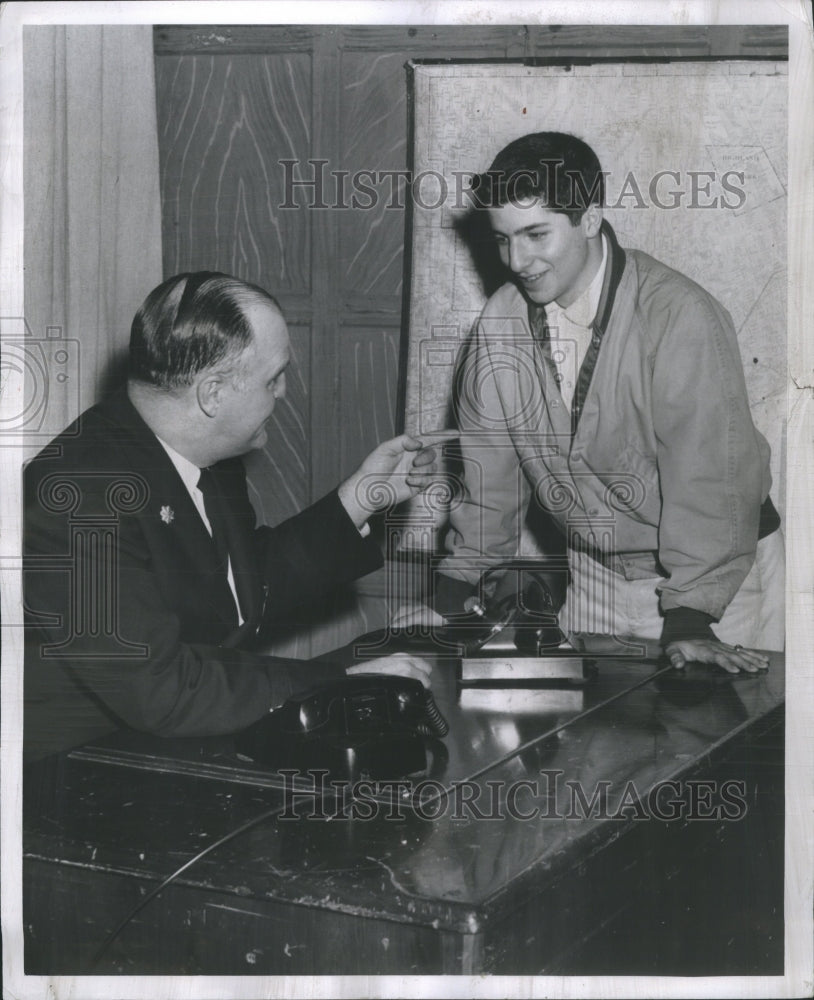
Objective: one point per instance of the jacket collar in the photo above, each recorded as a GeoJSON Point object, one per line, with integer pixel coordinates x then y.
{"type": "Point", "coordinates": [170, 491]}
{"type": "Point", "coordinates": [613, 275]}
{"type": "Point", "coordinates": [167, 489]}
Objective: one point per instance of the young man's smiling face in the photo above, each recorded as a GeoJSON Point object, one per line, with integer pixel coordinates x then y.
{"type": "Point", "coordinates": [550, 259]}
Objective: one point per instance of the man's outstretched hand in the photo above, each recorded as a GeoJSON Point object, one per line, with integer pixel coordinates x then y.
{"type": "Point", "coordinates": [733, 659]}
{"type": "Point", "coordinates": [393, 472]}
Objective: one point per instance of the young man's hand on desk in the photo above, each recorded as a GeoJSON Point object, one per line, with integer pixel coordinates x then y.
{"type": "Point", "coordinates": [400, 664]}
{"type": "Point", "coordinates": [410, 615]}
{"type": "Point", "coordinates": [732, 658]}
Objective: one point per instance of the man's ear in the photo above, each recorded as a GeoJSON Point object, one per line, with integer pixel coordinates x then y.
{"type": "Point", "coordinates": [209, 392]}
{"type": "Point", "coordinates": [592, 220]}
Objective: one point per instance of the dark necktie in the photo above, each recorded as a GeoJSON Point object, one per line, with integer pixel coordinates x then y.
{"type": "Point", "coordinates": [214, 514]}
{"type": "Point", "coordinates": [213, 505]}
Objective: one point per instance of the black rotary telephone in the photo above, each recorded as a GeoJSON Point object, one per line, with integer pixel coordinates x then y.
{"type": "Point", "coordinates": [366, 726]}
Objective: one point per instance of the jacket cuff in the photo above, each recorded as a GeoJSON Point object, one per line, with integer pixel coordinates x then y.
{"type": "Point", "coordinates": [769, 519]}
{"type": "Point", "coordinates": [686, 623]}
{"type": "Point", "coordinates": [325, 549]}
{"type": "Point", "coordinates": [449, 594]}
{"type": "Point", "coordinates": [358, 540]}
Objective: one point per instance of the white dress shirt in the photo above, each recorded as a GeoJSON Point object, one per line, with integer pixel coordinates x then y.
{"type": "Point", "coordinates": [570, 330]}
{"type": "Point", "coordinates": [190, 474]}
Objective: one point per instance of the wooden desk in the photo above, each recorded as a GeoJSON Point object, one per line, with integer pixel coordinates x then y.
{"type": "Point", "coordinates": [568, 891]}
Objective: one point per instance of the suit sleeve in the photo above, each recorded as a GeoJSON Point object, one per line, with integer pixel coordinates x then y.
{"type": "Point", "coordinates": [312, 552]}
{"type": "Point", "coordinates": [100, 616]}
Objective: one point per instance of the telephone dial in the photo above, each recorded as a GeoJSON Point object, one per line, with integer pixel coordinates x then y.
{"type": "Point", "coordinates": [373, 726]}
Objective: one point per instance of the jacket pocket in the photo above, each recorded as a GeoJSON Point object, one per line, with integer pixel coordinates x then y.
{"type": "Point", "coordinates": [632, 486]}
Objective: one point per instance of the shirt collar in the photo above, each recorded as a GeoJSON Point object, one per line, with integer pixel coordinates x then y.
{"type": "Point", "coordinates": [582, 312]}
{"type": "Point", "coordinates": [188, 471]}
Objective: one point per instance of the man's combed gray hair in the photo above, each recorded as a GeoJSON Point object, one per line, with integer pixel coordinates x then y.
{"type": "Point", "coordinates": [191, 323]}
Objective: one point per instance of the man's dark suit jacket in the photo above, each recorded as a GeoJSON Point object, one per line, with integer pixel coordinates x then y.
{"type": "Point", "coordinates": [121, 576]}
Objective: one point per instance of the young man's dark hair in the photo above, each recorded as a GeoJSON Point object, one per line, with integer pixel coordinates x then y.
{"type": "Point", "coordinates": [188, 323]}
{"type": "Point", "coordinates": [557, 167]}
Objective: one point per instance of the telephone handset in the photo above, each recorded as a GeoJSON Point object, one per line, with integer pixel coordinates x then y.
{"type": "Point", "coordinates": [368, 725]}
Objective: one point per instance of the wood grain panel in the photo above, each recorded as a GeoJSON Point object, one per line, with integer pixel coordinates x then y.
{"type": "Point", "coordinates": [325, 283]}
{"type": "Point", "coordinates": [279, 472]}
{"type": "Point", "coordinates": [521, 41]}
{"type": "Point", "coordinates": [765, 40]}
{"type": "Point", "coordinates": [225, 122]}
{"type": "Point", "coordinates": [372, 310]}
{"type": "Point", "coordinates": [373, 140]}
{"type": "Point", "coordinates": [368, 379]}
{"type": "Point", "coordinates": [483, 41]}
{"type": "Point", "coordinates": [174, 39]}
{"type": "Point", "coordinates": [495, 41]}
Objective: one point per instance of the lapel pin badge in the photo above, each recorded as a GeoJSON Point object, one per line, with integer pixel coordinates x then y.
{"type": "Point", "coordinates": [167, 514]}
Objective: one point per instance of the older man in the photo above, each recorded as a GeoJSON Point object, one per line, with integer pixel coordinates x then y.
{"type": "Point", "coordinates": [146, 579]}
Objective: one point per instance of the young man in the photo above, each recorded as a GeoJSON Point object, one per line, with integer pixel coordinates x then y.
{"type": "Point", "coordinates": [145, 576]}
{"type": "Point", "coordinates": [607, 389]}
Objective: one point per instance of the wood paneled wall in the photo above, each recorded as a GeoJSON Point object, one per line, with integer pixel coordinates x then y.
{"type": "Point", "coordinates": [235, 102]}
